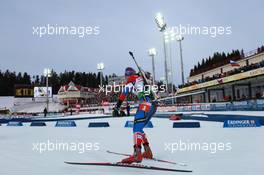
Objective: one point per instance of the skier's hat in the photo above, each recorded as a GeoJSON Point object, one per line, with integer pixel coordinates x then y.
{"type": "Point", "coordinates": [129, 71]}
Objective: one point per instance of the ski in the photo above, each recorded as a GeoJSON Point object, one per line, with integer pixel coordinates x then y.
{"type": "Point", "coordinates": [123, 165]}
{"type": "Point", "coordinates": [154, 159]}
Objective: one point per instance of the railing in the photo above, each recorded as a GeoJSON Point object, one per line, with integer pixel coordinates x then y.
{"type": "Point", "coordinates": [246, 105]}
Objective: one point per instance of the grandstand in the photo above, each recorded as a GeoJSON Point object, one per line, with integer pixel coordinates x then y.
{"type": "Point", "coordinates": [217, 80]}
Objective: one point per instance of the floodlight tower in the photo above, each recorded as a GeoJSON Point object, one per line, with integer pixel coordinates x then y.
{"type": "Point", "coordinates": [47, 74]}
{"type": "Point", "coordinates": [159, 19]}
{"type": "Point", "coordinates": [100, 68]}
{"type": "Point", "coordinates": [179, 38]}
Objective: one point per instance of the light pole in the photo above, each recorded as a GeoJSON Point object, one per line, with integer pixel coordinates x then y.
{"type": "Point", "coordinates": [159, 19]}
{"type": "Point", "coordinates": [152, 53]}
{"type": "Point", "coordinates": [100, 67]}
{"type": "Point", "coordinates": [179, 39]}
{"type": "Point", "coordinates": [168, 38]}
{"type": "Point", "coordinates": [47, 74]}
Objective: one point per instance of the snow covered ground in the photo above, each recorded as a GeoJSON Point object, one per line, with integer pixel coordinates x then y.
{"type": "Point", "coordinates": [241, 151]}
{"type": "Point", "coordinates": [247, 113]}
{"type": "Point", "coordinates": [6, 102]}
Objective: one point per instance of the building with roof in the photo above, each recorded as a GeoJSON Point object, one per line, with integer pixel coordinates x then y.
{"type": "Point", "coordinates": [72, 94]}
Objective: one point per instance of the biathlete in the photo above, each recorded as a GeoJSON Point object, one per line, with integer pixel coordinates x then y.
{"type": "Point", "coordinates": [146, 109]}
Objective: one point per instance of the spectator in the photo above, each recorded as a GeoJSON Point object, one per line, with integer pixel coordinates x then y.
{"type": "Point", "coordinates": [71, 111]}
{"type": "Point", "coordinates": [45, 111]}
{"type": "Point", "coordinates": [229, 73]}
{"type": "Point", "coordinates": [128, 109]}
{"type": "Point", "coordinates": [258, 95]}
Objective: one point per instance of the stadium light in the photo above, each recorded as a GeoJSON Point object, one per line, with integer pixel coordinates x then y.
{"type": "Point", "coordinates": [47, 74]}
{"type": "Point", "coordinates": [179, 38]}
{"type": "Point", "coordinates": [100, 68]}
{"type": "Point", "coordinates": [160, 22]}
{"type": "Point", "coordinates": [159, 19]}
{"type": "Point", "coordinates": [171, 36]}
{"type": "Point", "coordinates": [152, 53]}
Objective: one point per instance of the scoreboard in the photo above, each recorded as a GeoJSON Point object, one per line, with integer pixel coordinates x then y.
{"type": "Point", "coordinates": [24, 91]}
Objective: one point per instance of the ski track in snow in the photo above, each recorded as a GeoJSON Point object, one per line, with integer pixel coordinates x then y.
{"type": "Point", "coordinates": [18, 158]}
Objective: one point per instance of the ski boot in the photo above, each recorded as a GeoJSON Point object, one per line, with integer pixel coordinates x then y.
{"type": "Point", "coordinates": [147, 154]}
{"type": "Point", "coordinates": [136, 157]}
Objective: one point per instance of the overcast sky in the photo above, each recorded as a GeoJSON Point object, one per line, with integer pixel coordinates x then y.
{"type": "Point", "coordinates": [124, 25]}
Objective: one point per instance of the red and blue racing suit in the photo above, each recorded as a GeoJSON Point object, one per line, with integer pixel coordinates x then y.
{"type": "Point", "coordinates": [146, 108]}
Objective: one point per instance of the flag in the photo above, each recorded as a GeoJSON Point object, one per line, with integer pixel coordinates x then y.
{"type": "Point", "coordinates": [234, 63]}
{"type": "Point", "coordinates": [220, 81]}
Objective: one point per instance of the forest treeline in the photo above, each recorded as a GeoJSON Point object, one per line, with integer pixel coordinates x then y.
{"type": "Point", "coordinates": [9, 79]}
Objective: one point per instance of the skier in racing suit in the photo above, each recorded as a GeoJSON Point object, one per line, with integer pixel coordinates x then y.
{"type": "Point", "coordinates": [145, 111]}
